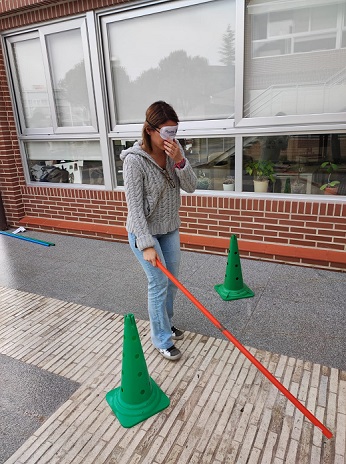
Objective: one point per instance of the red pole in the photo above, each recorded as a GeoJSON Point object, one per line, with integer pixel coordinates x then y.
{"type": "Point", "coordinates": [247, 353]}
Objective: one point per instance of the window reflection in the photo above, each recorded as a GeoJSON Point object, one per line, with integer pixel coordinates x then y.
{"type": "Point", "coordinates": [295, 58]}
{"type": "Point", "coordinates": [32, 83]}
{"type": "Point", "coordinates": [77, 162]}
{"type": "Point", "coordinates": [212, 159]}
{"type": "Point", "coordinates": [69, 78]}
{"type": "Point", "coordinates": [302, 164]}
{"type": "Point", "coordinates": [290, 164]}
{"type": "Point", "coordinates": [192, 69]}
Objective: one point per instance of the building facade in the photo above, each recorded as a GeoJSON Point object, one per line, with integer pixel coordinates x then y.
{"type": "Point", "coordinates": [260, 90]}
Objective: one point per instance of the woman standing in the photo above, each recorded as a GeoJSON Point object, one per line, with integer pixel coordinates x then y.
{"type": "Point", "coordinates": [155, 169]}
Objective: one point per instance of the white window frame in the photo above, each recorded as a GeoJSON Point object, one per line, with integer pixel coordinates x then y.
{"type": "Point", "coordinates": [302, 121]}
{"type": "Point", "coordinates": [186, 128]}
{"type": "Point", "coordinates": [104, 132]}
{"type": "Point", "coordinates": [41, 33]}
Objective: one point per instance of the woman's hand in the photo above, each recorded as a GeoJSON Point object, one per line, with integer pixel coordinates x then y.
{"type": "Point", "coordinates": [172, 150]}
{"type": "Point", "coordinates": [150, 255]}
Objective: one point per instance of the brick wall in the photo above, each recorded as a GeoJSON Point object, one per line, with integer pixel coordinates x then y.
{"type": "Point", "coordinates": [289, 231]}
{"type": "Point", "coordinates": [17, 13]}
{"type": "Point", "coordinates": [299, 232]}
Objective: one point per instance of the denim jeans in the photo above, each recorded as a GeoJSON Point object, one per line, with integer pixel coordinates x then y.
{"type": "Point", "coordinates": [161, 291]}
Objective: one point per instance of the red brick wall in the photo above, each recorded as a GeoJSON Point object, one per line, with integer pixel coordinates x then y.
{"type": "Point", "coordinates": [295, 223]}
{"type": "Point", "coordinates": [292, 231]}
{"type": "Point", "coordinates": [99, 207]}
{"type": "Point", "coordinates": [16, 13]}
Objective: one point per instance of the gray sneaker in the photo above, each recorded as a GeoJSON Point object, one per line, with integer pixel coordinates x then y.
{"type": "Point", "coordinates": [171, 353]}
{"type": "Point", "coordinates": [177, 334]}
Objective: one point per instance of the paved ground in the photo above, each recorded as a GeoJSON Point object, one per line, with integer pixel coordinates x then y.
{"type": "Point", "coordinates": [61, 313]}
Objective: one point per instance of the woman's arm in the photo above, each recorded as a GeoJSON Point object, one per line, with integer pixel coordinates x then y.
{"type": "Point", "coordinates": [187, 177]}
{"type": "Point", "coordinates": [133, 182]}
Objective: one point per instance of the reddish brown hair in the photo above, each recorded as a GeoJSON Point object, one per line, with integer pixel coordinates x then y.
{"type": "Point", "coordinates": [157, 114]}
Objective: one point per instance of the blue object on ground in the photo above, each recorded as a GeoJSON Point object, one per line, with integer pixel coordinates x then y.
{"type": "Point", "coordinates": [28, 239]}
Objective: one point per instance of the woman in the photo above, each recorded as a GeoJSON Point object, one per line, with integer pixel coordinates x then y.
{"type": "Point", "coordinates": [154, 170]}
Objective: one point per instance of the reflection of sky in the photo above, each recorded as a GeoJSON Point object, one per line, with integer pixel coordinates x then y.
{"type": "Point", "coordinates": [65, 51]}
{"type": "Point", "coordinates": [140, 43]}
{"type": "Point", "coordinates": [29, 64]}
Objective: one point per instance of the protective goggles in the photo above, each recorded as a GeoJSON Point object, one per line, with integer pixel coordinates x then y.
{"type": "Point", "coordinates": [166, 132]}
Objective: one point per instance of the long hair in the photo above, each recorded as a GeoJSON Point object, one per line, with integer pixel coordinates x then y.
{"type": "Point", "coordinates": [157, 114]}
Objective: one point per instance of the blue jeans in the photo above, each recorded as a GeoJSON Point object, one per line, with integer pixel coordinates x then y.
{"type": "Point", "coordinates": [161, 291]}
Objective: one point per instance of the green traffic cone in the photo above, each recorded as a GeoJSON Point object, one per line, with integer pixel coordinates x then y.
{"type": "Point", "coordinates": [233, 287]}
{"type": "Point", "coordinates": [138, 397]}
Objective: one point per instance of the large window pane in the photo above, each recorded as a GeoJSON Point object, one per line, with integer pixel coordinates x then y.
{"type": "Point", "coordinates": [32, 83]}
{"type": "Point", "coordinates": [301, 164]}
{"type": "Point", "coordinates": [324, 17]}
{"type": "Point", "coordinates": [294, 58]}
{"type": "Point", "coordinates": [184, 56]}
{"type": "Point", "coordinates": [70, 90]}
{"type": "Point", "coordinates": [77, 162]}
{"type": "Point", "coordinates": [213, 160]}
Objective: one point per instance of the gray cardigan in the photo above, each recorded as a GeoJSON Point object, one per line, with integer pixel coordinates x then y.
{"type": "Point", "coordinates": [153, 203]}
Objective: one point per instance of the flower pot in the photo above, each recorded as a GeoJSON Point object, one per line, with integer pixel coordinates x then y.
{"type": "Point", "coordinates": [331, 190]}
{"type": "Point", "coordinates": [260, 186]}
{"type": "Point", "coordinates": [228, 187]}
{"type": "Point", "coordinates": [298, 187]}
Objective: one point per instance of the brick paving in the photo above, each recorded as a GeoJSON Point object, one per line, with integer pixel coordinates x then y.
{"type": "Point", "coordinates": [223, 410]}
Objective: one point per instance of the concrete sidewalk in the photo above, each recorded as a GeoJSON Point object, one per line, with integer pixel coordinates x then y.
{"type": "Point", "coordinates": [61, 314]}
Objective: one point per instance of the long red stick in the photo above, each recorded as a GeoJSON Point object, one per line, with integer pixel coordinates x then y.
{"type": "Point", "coordinates": [247, 353]}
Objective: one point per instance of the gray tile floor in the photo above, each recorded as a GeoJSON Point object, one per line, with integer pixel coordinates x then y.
{"type": "Point", "coordinates": [296, 311]}
{"type": "Point", "coordinates": [29, 395]}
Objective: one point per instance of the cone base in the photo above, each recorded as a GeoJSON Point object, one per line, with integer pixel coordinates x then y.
{"type": "Point", "coordinates": [227, 294]}
{"type": "Point", "coordinates": [132, 414]}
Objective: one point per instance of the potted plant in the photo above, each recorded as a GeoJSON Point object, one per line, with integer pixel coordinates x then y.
{"type": "Point", "coordinates": [298, 186]}
{"type": "Point", "coordinates": [228, 183]}
{"type": "Point", "coordinates": [330, 187]}
{"type": "Point", "coordinates": [263, 172]}
{"type": "Point", "coordinates": [203, 182]}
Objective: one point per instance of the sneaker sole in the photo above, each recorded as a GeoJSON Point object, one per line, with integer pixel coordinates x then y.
{"type": "Point", "coordinates": [170, 358]}
{"type": "Point", "coordinates": [177, 337]}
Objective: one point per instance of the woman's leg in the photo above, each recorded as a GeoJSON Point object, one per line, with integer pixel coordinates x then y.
{"type": "Point", "coordinates": [170, 246]}
{"type": "Point", "coordinates": [160, 326]}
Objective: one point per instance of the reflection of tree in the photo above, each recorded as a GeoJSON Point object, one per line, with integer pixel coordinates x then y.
{"type": "Point", "coordinates": [72, 99]}
{"type": "Point", "coordinates": [195, 88]}
{"type": "Point", "coordinates": [227, 49]}
{"type": "Point", "coordinates": [74, 86]}
{"type": "Point", "coordinates": [178, 77]}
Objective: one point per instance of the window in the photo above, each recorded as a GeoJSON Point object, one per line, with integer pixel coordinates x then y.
{"type": "Point", "coordinates": [55, 95]}
{"type": "Point", "coordinates": [316, 25]}
{"type": "Point", "coordinates": [69, 80]}
{"type": "Point", "coordinates": [72, 127]}
{"type": "Point", "coordinates": [31, 83]}
{"type": "Point", "coordinates": [212, 159]}
{"type": "Point", "coordinates": [299, 164]}
{"type": "Point", "coordinates": [74, 162]}
{"type": "Point", "coordinates": [55, 98]}
{"type": "Point", "coordinates": [295, 58]}
{"type": "Point", "coordinates": [182, 52]}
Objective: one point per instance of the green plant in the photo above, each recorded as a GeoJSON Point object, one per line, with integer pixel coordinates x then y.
{"type": "Point", "coordinates": [261, 169]}
{"type": "Point", "coordinates": [330, 168]}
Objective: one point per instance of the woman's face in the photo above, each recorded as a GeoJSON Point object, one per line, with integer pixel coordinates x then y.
{"type": "Point", "coordinates": [157, 138]}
